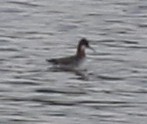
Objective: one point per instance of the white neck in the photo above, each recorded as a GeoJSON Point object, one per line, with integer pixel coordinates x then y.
{"type": "Point", "coordinates": [83, 47]}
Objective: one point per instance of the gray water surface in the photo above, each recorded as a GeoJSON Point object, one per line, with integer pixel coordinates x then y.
{"type": "Point", "coordinates": [110, 88]}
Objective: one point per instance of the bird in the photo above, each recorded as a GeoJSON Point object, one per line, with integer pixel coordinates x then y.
{"type": "Point", "coordinates": [74, 60]}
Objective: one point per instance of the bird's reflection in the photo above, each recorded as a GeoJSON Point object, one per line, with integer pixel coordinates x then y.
{"type": "Point", "coordinates": [81, 73]}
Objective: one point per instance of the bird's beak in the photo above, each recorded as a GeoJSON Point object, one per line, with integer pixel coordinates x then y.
{"type": "Point", "coordinates": [91, 48]}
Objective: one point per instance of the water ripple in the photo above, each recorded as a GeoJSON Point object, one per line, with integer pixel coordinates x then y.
{"type": "Point", "coordinates": [27, 4]}
{"type": "Point", "coordinates": [60, 91]}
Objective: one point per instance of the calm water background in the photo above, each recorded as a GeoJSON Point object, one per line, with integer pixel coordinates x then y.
{"type": "Point", "coordinates": [111, 87]}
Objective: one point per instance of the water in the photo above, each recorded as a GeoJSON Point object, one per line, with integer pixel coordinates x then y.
{"type": "Point", "coordinates": [110, 89]}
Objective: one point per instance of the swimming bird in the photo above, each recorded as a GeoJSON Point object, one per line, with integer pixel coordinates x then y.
{"type": "Point", "coordinates": [76, 59]}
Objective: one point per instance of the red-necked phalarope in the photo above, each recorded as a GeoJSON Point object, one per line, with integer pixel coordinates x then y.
{"type": "Point", "coordinates": [76, 59]}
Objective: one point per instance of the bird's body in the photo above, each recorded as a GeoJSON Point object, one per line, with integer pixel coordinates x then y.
{"type": "Point", "coordinates": [67, 61]}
